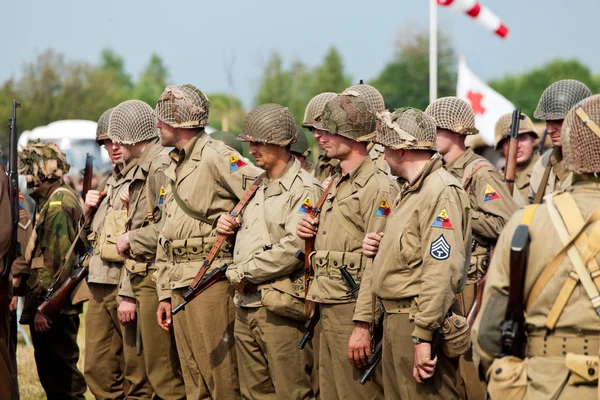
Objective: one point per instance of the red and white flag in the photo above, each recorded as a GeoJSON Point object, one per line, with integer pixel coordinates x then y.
{"type": "Point", "coordinates": [488, 105]}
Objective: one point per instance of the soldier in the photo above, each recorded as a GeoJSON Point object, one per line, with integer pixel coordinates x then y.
{"type": "Point", "coordinates": [301, 150]}
{"type": "Point", "coordinates": [265, 271]}
{"type": "Point", "coordinates": [206, 178]}
{"type": "Point", "coordinates": [421, 259]}
{"type": "Point", "coordinates": [356, 204]}
{"type": "Point", "coordinates": [325, 166]}
{"type": "Point", "coordinates": [133, 126]}
{"type": "Point", "coordinates": [56, 350]}
{"type": "Point", "coordinates": [562, 323]}
{"type": "Point", "coordinates": [105, 338]}
{"type": "Point", "coordinates": [526, 156]}
{"type": "Point", "coordinates": [548, 174]}
{"type": "Point", "coordinates": [490, 201]}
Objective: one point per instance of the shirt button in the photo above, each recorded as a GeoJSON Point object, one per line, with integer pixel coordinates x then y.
{"type": "Point", "coordinates": [324, 233]}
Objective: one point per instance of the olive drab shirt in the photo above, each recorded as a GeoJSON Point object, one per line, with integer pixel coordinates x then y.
{"type": "Point", "coordinates": [578, 317]}
{"type": "Point", "coordinates": [266, 243]}
{"type": "Point", "coordinates": [56, 229]}
{"type": "Point", "coordinates": [424, 253]}
{"type": "Point", "coordinates": [522, 181]}
{"type": "Point", "coordinates": [490, 202]}
{"type": "Point", "coordinates": [357, 203]}
{"type": "Point", "coordinates": [210, 178]}
{"type": "Point", "coordinates": [19, 266]}
{"type": "Point", "coordinates": [144, 213]}
{"type": "Point", "coordinates": [559, 178]}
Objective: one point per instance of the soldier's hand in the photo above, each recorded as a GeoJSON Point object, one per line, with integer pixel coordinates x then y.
{"type": "Point", "coordinates": [123, 244]}
{"type": "Point", "coordinates": [359, 345]}
{"type": "Point", "coordinates": [92, 200]}
{"type": "Point", "coordinates": [227, 225]}
{"type": "Point", "coordinates": [126, 310]}
{"type": "Point", "coordinates": [12, 307]}
{"type": "Point", "coordinates": [163, 314]}
{"type": "Point", "coordinates": [424, 367]}
{"type": "Point", "coordinates": [40, 324]}
{"type": "Point", "coordinates": [370, 244]}
{"type": "Point", "coordinates": [125, 197]}
{"type": "Point", "coordinates": [307, 227]}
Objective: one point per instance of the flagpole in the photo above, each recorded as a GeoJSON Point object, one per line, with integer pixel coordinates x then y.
{"type": "Point", "coordinates": [432, 50]}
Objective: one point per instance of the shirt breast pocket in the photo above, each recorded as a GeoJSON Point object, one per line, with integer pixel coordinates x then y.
{"type": "Point", "coordinates": [409, 250]}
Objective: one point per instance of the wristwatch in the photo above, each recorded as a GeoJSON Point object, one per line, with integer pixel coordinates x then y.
{"type": "Point", "coordinates": [417, 340]}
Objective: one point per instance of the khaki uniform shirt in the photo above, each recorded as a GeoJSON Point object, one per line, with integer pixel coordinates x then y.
{"type": "Point", "coordinates": [357, 203]}
{"type": "Point", "coordinates": [559, 178]}
{"type": "Point", "coordinates": [424, 253]}
{"type": "Point", "coordinates": [577, 317]}
{"type": "Point", "coordinates": [266, 243]}
{"type": "Point", "coordinates": [522, 181]}
{"type": "Point", "coordinates": [326, 167]}
{"type": "Point", "coordinates": [491, 206]}
{"type": "Point", "coordinates": [210, 178]}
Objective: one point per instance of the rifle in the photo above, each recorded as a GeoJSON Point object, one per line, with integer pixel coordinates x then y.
{"type": "Point", "coordinates": [13, 194]}
{"type": "Point", "coordinates": [309, 246]}
{"type": "Point", "coordinates": [309, 326]}
{"type": "Point", "coordinates": [193, 289]}
{"type": "Point", "coordinates": [542, 142]}
{"type": "Point", "coordinates": [513, 327]}
{"type": "Point", "coordinates": [59, 293]}
{"type": "Point", "coordinates": [206, 282]}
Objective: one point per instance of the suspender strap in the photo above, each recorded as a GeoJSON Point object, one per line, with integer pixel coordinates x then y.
{"type": "Point", "coordinates": [346, 223]}
{"type": "Point", "coordinates": [184, 207]}
{"type": "Point", "coordinates": [541, 190]}
{"type": "Point", "coordinates": [471, 170]}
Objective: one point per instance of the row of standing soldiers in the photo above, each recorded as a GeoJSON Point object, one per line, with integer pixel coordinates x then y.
{"type": "Point", "coordinates": [402, 216]}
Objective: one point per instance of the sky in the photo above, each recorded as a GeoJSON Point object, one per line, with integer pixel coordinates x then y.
{"type": "Point", "coordinates": [201, 40]}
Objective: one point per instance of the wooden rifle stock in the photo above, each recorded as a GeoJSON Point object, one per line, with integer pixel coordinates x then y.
{"type": "Point", "coordinates": [56, 300]}
{"type": "Point", "coordinates": [510, 170]}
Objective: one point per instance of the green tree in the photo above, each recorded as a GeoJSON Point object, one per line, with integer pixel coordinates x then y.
{"type": "Point", "coordinates": [226, 112]}
{"type": "Point", "coordinates": [329, 76]}
{"type": "Point", "coordinates": [111, 62]}
{"type": "Point", "coordinates": [276, 85]}
{"type": "Point", "coordinates": [404, 81]}
{"type": "Point", "coordinates": [152, 82]}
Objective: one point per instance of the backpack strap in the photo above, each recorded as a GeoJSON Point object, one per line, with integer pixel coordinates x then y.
{"type": "Point", "coordinates": [472, 169]}
{"type": "Point", "coordinates": [541, 190]}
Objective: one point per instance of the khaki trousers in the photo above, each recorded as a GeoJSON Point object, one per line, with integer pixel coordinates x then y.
{"type": "Point", "coordinates": [337, 378]}
{"type": "Point", "coordinates": [6, 380]}
{"type": "Point", "coordinates": [468, 384]}
{"type": "Point", "coordinates": [106, 341]}
{"type": "Point", "coordinates": [205, 341]}
{"type": "Point", "coordinates": [159, 350]}
{"type": "Point", "coordinates": [271, 365]}
{"type": "Point", "coordinates": [56, 354]}
{"type": "Point", "coordinates": [398, 363]}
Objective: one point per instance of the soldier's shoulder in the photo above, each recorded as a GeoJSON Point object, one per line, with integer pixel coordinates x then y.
{"type": "Point", "coordinates": [63, 201]}
{"type": "Point", "coordinates": [307, 180]}
{"type": "Point", "coordinates": [441, 178]}
{"type": "Point", "coordinates": [381, 181]}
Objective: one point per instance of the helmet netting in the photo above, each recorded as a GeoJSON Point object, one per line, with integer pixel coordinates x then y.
{"type": "Point", "coordinates": [502, 127]}
{"type": "Point", "coordinates": [102, 127]}
{"type": "Point", "coordinates": [558, 98]}
{"type": "Point", "coordinates": [271, 124]}
{"type": "Point", "coordinates": [132, 122]}
{"type": "Point", "coordinates": [406, 128]}
{"type": "Point", "coordinates": [350, 116]}
{"type": "Point", "coordinates": [372, 96]}
{"type": "Point", "coordinates": [183, 106]}
{"type": "Point", "coordinates": [580, 137]}
{"type": "Point", "coordinates": [41, 161]}
{"type": "Point", "coordinates": [314, 109]}
{"type": "Point", "coordinates": [453, 114]}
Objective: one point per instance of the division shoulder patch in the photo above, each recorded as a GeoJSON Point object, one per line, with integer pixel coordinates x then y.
{"type": "Point", "coordinates": [383, 210]}
{"type": "Point", "coordinates": [235, 163]}
{"type": "Point", "coordinates": [490, 194]}
{"type": "Point", "coordinates": [161, 196]}
{"type": "Point", "coordinates": [306, 207]}
{"type": "Point", "coordinates": [442, 220]}
{"type": "Point", "coordinates": [440, 248]}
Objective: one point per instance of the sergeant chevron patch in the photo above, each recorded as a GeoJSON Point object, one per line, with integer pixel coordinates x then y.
{"type": "Point", "coordinates": [440, 248]}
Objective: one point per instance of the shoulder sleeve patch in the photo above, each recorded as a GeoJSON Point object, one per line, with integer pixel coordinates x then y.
{"type": "Point", "coordinates": [440, 248]}
{"type": "Point", "coordinates": [306, 207]}
{"type": "Point", "coordinates": [56, 203]}
{"type": "Point", "coordinates": [490, 194]}
{"type": "Point", "coordinates": [383, 210]}
{"type": "Point", "coordinates": [235, 163]}
{"type": "Point", "coordinates": [442, 220]}
{"type": "Point", "coordinates": [161, 196]}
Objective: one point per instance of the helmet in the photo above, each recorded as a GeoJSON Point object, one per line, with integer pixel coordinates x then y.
{"type": "Point", "coordinates": [372, 95]}
{"type": "Point", "coordinates": [270, 124]}
{"type": "Point", "coordinates": [406, 128]}
{"type": "Point", "coordinates": [580, 137]}
{"type": "Point", "coordinates": [348, 115]}
{"type": "Point", "coordinates": [301, 146]}
{"type": "Point", "coordinates": [183, 106]}
{"type": "Point", "coordinates": [229, 139]}
{"type": "Point", "coordinates": [132, 122]}
{"type": "Point", "coordinates": [453, 114]}
{"type": "Point", "coordinates": [41, 162]}
{"type": "Point", "coordinates": [502, 128]}
{"type": "Point", "coordinates": [102, 127]}
{"type": "Point", "coordinates": [558, 99]}
{"type": "Point", "coordinates": [314, 109]}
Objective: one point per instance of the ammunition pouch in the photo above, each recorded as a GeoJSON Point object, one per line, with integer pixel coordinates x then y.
{"type": "Point", "coordinates": [507, 378]}
{"type": "Point", "coordinates": [583, 370]}
{"type": "Point", "coordinates": [113, 227]}
{"type": "Point", "coordinates": [327, 263]}
{"type": "Point", "coordinates": [136, 267]}
{"type": "Point", "coordinates": [456, 340]}
{"type": "Point", "coordinates": [197, 249]}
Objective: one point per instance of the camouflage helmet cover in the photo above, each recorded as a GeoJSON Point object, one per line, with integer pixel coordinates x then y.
{"type": "Point", "coordinates": [301, 146]}
{"type": "Point", "coordinates": [453, 114]}
{"type": "Point", "coordinates": [102, 127]}
{"type": "Point", "coordinates": [348, 115]}
{"type": "Point", "coordinates": [580, 137]}
{"type": "Point", "coordinates": [41, 162]}
{"type": "Point", "coordinates": [406, 128]}
{"type": "Point", "coordinates": [314, 109]}
{"type": "Point", "coordinates": [558, 98]}
{"type": "Point", "coordinates": [372, 95]}
{"type": "Point", "coordinates": [502, 128]}
{"type": "Point", "coordinates": [183, 106]}
{"type": "Point", "coordinates": [229, 139]}
{"type": "Point", "coordinates": [131, 122]}
{"type": "Point", "coordinates": [270, 124]}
